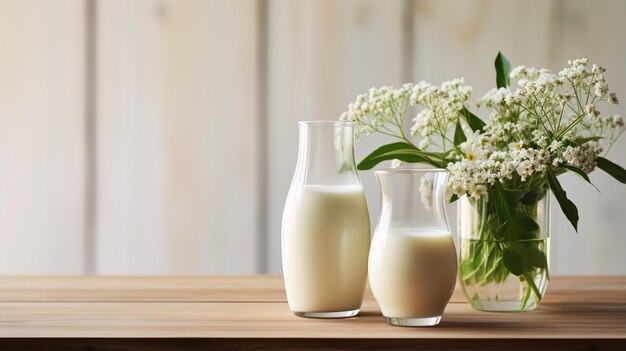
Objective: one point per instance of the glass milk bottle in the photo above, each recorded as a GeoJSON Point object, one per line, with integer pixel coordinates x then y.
{"type": "Point", "coordinates": [325, 229]}
{"type": "Point", "coordinates": [412, 261]}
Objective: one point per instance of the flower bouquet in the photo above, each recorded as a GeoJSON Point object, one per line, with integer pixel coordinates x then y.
{"type": "Point", "coordinates": [501, 168]}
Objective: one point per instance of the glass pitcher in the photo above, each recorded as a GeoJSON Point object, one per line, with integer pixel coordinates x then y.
{"type": "Point", "coordinates": [325, 229]}
{"type": "Point", "coordinates": [412, 261]}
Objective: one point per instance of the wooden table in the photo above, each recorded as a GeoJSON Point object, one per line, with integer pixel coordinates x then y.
{"type": "Point", "coordinates": [251, 313]}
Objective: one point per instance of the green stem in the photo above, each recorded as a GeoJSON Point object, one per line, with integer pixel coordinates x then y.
{"type": "Point", "coordinates": [526, 296]}
{"type": "Point", "coordinates": [531, 283]}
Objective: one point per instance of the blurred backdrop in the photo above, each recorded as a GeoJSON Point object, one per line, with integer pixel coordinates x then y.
{"type": "Point", "coordinates": [160, 136]}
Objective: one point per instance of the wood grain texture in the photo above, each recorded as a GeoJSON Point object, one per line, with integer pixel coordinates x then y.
{"type": "Point", "coordinates": [150, 289]}
{"type": "Point", "coordinates": [274, 320]}
{"type": "Point", "coordinates": [142, 289]}
{"type": "Point", "coordinates": [250, 313]}
{"type": "Point", "coordinates": [303, 344]}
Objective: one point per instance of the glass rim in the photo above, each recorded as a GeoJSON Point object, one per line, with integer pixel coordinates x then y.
{"type": "Point", "coordinates": [328, 123]}
{"type": "Point", "coordinates": [410, 170]}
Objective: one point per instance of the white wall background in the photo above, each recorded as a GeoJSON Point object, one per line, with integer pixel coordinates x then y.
{"type": "Point", "coordinates": [41, 136]}
{"type": "Point", "coordinates": [195, 109]}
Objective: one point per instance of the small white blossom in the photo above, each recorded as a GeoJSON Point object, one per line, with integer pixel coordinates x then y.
{"type": "Point", "coordinates": [426, 190]}
{"type": "Point", "coordinates": [378, 109]}
{"type": "Point", "coordinates": [601, 89]}
{"type": "Point", "coordinates": [395, 163]}
{"type": "Point", "coordinates": [546, 120]}
{"type": "Point", "coordinates": [616, 121]}
{"type": "Point", "coordinates": [582, 157]}
{"type": "Point", "coordinates": [591, 111]}
{"type": "Point", "coordinates": [439, 108]}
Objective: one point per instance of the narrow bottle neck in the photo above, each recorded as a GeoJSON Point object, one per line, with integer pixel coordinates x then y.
{"type": "Point", "coordinates": [326, 154]}
{"type": "Point", "coordinates": [413, 199]}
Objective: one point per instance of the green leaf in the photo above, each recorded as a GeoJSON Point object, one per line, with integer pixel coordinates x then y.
{"type": "Point", "coordinates": [475, 123]}
{"type": "Point", "coordinates": [491, 226]}
{"type": "Point", "coordinates": [502, 207]}
{"type": "Point", "coordinates": [459, 136]}
{"type": "Point", "coordinates": [532, 197]}
{"type": "Point", "coordinates": [567, 206]}
{"type": "Point", "coordinates": [503, 69]}
{"type": "Point", "coordinates": [513, 196]}
{"type": "Point", "coordinates": [580, 173]}
{"type": "Point", "coordinates": [453, 198]}
{"type": "Point", "coordinates": [531, 284]}
{"type": "Point", "coordinates": [505, 209]}
{"type": "Point", "coordinates": [528, 228]}
{"type": "Point", "coordinates": [614, 170]}
{"type": "Point", "coordinates": [501, 273]}
{"type": "Point", "coordinates": [535, 256]}
{"type": "Point", "coordinates": [513, 260]}
{"type": "Point", "coordinates": [468, 268]}
{"type": "Point", "coordinates": [522, 257]}
{"type": "Point", "coordinates": [492, 264]}
{"type": "Point", "coordinates": [580, 141]}
{"type": "Point", "coordinates": [402, 151]}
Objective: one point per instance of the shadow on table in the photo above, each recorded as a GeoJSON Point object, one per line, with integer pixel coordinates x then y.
{"type": "Point", "coordinates": [572, 312]}
{"type": "Point", "coordinates": [585, 307]}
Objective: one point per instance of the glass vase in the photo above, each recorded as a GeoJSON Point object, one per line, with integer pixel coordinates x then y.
{"type": "Point", "coordinates": [412, 262]}
{"type": "Point", "coordinates": [325, 228]}
{"type": "Point", "coordinates": [504, 249]}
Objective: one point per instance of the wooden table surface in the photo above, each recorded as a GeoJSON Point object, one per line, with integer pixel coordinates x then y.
{"type": "Point", "coordinates": [251, 313]}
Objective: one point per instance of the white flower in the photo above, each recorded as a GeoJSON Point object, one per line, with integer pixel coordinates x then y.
{"type": "Point", "coordinates": [476, 147]}
{"type": "Point", "coordinates": [439, 108]}
{"type": "Point", "coordinates": [496, 97]}
{"type": "Point", "coordinates": [395, 163]}
{"type": "Point", "coordinates": [540, 138]}
{"type": "Point", "coordinates": [616, 121]}
{"type": "Point", "coordinates": [519, 72]}
{"type": "Point", "coordinates": [582, 157]}
{"type": "Point", "coordinates": [472, 151]}
{"type": "Point", "coordinates": [473, 177]}
{"type": "Point", "coordinates": [601, 89]}
{"type": "Point", "coordinates": [516, 146]}
{"type": "Point", "coordinates": [478, 190]}
{"type": "Point", "coordinates": [591, 111]}
{"type": "Point", "coordinates": [546, 120]}
{"type": "Point", "coordinates": [457, 188]}
{"type": "Point", "coordinates": [378, 109]}
{"type": "Point", "coordinates": [426, 190]}
{"type": "Point", "coordinates": [595, 69]}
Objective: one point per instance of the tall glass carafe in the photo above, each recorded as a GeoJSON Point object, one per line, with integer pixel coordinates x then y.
{"type": "Point", "coordinates": [325, 229]}
{"type": "Point", "coordinates": [412, 261]}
